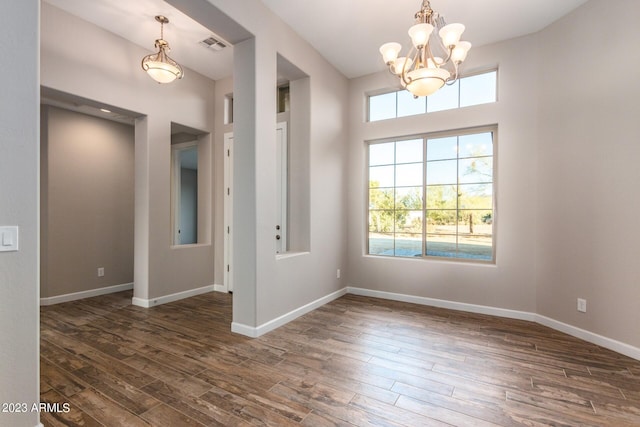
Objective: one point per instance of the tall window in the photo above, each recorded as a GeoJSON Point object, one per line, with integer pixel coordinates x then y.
{"type": "Point", "coordinates": [432, 196]}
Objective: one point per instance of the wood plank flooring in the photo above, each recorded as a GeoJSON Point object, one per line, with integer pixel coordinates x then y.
{"type": "Point", "coordinates": [356, 361]}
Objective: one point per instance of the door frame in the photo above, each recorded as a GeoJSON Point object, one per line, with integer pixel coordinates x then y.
{"type": "Point", "coordinates": [228, 212]}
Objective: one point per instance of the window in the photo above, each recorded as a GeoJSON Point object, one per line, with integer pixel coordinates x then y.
{"type": "Point", "coordinates": [190, 187]}
{"type": "Point", "coordinates": [432, 196]}
{"type": "Point", "coordinates": [228, 109]}
{"type": "Point", "coordinates": [185, 192]}
{"type": "Point", "coordinates": [467, 91]}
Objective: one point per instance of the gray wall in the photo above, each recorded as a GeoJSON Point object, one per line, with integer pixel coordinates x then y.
{"type": "Point", "coordinates": [160, 268]}
{"type": "Point", "coordinates": [266, 287]}
{"type": "Point", "coordinates": [510, 283]}
{"type": "Point", "coordinates": [19, 166]}
{"type": "Point", "coordinates": [566, 177]}
{"type": "Point", "coordinates": [588, 174]}
{"type": "Point", "coordinates": [87, 198]}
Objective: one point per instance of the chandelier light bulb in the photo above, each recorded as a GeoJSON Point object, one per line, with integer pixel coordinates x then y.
{"type": "Point", "coordinates": [459, 53]}
{"type": "Point", "coordinates": [390, 52]}
{"type": "Point", "coordinates": [419, 34]}
{"type": "Point", "coordinates": [450, 34]}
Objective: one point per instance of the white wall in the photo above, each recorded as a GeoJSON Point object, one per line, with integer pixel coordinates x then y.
{"type": "Point", "coordinates": [19, 166]}
{"type": "Point", "coordinates": [588, 174]}
{"type": "Point", "coordinates": [69, 64]}
{"type": "Point", "coordinates": [510, 283]}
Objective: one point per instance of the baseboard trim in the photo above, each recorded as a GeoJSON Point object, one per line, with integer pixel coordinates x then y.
{"type": "Point", "coordinates": [85, 294]}
{"type": "Point", "coordinates": [147, 303]}
{"type": "Point", "coordinates": [451, 305]}
{"type": "Point", "coordinates": [591, 337]}
{"type": "Point", "coordinates": [220, 288]}
{"type": "Point", "coordinates": [611, 344]}
{"type": "Point", "coordinates": [242, 329]}
{"type": "Point", "coordinates": [252, 332]}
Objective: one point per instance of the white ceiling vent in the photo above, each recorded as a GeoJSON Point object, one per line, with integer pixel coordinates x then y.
{"type": "Point", "coordinates": [213, 43]}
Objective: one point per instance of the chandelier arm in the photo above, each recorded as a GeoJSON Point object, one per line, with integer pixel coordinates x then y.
{"type": "Point", "coordinates": [431, 56]}
{"type": "Point", "coordinates": [404, 75]}
{"type": "Point", "coordinates": [452, 79]}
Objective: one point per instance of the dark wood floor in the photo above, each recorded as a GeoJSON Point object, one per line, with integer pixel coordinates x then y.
{"type": "Point", "coordinates": [356, 361]}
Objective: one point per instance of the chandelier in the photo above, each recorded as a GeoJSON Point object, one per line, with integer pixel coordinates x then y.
{"type": "Point", "coordinates": [432, 61]}
{"type": "Point", "coordinates": [158, 65]}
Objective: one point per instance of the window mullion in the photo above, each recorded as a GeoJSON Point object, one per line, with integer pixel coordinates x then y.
{"type": "Point", "coordinates": [457, 196]}
{"type": "Point", "coordinates": [424, 196]}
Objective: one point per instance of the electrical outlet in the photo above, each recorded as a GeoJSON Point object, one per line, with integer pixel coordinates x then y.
{"type": "Point", "coordinates": [337, 273]}
{"type": "Point", "coordinates": [100, 271]}
{"type": "Point", "coordinates": [582, 305]}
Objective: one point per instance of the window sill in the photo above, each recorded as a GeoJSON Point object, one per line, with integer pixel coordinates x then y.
{"type": "Point", "coordinates": [190, 246]}
{"type": "Point", "coordinates": [290, 255]}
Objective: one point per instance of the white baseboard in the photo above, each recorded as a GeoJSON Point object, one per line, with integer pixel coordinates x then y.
{"type": "Point", "coordinates": [591, 337]}
{"type": "Point", "coordinates": [85, 294]}
{"type": "Point", "coordinates": [247, 331]}
{"type": "Point", "coordinates": [147, 303]}
{"type": "Point", "coordinates": [220, 288]}
{"type": "Point", "coordinates": [451, 305]}
{"type": "Point", "coordinates": [252, 332]}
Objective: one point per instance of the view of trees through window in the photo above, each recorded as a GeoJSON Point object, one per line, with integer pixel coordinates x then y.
{"type": "Point", "coordinates": [432, 196]}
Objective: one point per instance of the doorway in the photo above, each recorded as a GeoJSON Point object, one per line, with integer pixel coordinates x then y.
{"type": "Point", "coordinates": [282, 182]}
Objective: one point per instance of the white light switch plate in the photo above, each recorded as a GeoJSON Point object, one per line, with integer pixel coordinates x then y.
{"type": "Point", "coordinates": [8, 239]}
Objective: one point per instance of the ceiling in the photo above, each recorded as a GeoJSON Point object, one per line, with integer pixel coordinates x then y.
{"type": "Point", "coordinates": [347, 33]}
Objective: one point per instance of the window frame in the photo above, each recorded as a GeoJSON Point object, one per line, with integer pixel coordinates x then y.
{"type": "Point", "coordinates": [371, 94]}
{"type": "Point", "coordinates": [493, 129]}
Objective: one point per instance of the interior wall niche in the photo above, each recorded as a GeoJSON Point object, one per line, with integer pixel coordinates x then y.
{"type": "Point", "coordinates": [190, 186]}
{"type": "Point", "coordinates": [87, 202]}
{"type": "Point", "coordinates": [294, 109]}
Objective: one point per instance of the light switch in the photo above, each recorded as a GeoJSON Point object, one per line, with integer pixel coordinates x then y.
{"type": "Point", "coordinates": [8, 239]}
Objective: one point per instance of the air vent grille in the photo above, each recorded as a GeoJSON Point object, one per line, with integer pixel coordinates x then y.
{"type": "Point", "coordinates": [213, 43]}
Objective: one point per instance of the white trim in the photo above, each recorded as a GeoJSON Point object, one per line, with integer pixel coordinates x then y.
{"type": "Point", "coordinates": [252, 332]}
{"type": "Point", "coordinates": [85, 294]}
{"type": "Point", "coordinates": [228, 212]}
{"type": "Point", "coordinates": [282, 189]}
{"type": "Point", "coordinates": [40, 425]}
{"type": "Point", "coordinates": [591, 337]}
{"type": "Point", "coordinates": [611, 344]}
{"type": "Point", "coordinates": [245, 330]}
{"type": "Point", "coordinates": [147, 303]}
{"type": "Point", "coordinates": [451, 305]}
{"type": "Point", "coordinates": [220, 288]}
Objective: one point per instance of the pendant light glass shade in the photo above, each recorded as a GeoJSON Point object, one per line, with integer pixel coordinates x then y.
{"type": "Point", "coordinates": [390, 51]}
{"type": "Point", "coordinates": [419, 34]}
{"type": "Point", "coordinates": [160, 66]}
{"type": "Point", "coordinates": [426, 81]}
{"type": "Point", "coordinates": [450, 34]}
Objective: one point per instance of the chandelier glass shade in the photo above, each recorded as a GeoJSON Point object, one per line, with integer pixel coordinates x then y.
{"type": "Point", "coordinates": [159, 65]}
{"type": "Point", "coordinates": [435, 55]}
